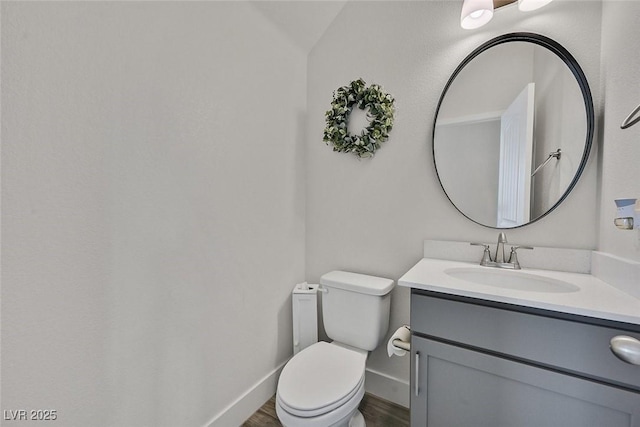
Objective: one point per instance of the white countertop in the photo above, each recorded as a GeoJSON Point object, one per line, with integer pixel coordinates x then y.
{"type": "Point", "coordinates": [594, 298]}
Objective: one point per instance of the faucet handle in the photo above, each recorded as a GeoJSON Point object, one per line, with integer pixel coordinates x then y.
{"type": "Point", "coordinates": [479, 244]}
{"type": "Point", "coordinates": [486, 256]}
{"type": "Point", "coordinates": [515, 248]}
{"type": "Point", "coordinates": [513, 256]}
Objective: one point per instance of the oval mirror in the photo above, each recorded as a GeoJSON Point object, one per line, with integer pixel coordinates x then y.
{"type": "Point", "coordinates": [513, 130]}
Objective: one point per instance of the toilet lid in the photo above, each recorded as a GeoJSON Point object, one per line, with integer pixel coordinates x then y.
{"type": "Point", "coordinates": [320, 378]}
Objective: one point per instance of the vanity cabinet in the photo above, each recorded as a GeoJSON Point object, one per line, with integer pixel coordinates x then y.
{"type": "Point", "coordinates": [480, 363]}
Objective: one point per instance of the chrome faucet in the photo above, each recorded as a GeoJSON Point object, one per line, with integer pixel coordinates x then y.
{"type": "Point", "coordinates": [499, 260]}
{"type": "Point", "coordinates": [502, 239]}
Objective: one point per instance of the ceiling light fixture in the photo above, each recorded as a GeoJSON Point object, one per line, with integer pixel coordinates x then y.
{"type": "Point", "coordinates": [476, 13]}
{"type": "Point", "coordinates": [529, 5]}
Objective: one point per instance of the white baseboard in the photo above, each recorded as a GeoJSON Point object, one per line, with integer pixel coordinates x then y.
{"type": "Point", "coordinates": [377, 383]}
{"type": "Point", "coordinates": [243, 407]}
{"type": "Point", "coordinates": [387, 387]}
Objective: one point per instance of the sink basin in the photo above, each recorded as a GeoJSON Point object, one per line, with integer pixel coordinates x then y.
{"type": "Point", "coordinates": [508, 279]}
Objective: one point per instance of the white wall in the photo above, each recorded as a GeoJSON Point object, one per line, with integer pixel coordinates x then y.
{"type": "Point", "coordinates": [490, 82]}
{"type": "Point", "coordinates": [620, 148]}
{"type": "Point", "coordinates": [560, 124]}
{"type": "Point", "coordinates": [153, 200]}
{"type": "Point", "coordinates": [474, 188]}
{"type": "Point", "coordinates": [371, 216]}
{"type": "Point", "coordinates": [152, 207]}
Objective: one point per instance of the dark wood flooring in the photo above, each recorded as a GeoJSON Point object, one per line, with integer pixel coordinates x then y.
{"type": "Point", "coordinates": [377, 413]}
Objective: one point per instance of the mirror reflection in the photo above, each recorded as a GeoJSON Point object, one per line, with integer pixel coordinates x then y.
{"type": "Point", "coordinates": [512, 134]}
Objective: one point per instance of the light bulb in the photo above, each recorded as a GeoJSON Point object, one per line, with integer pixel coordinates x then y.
{"type": "Point", "coordinates": [475, 13]}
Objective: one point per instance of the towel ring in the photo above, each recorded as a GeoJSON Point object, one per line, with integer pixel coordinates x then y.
{"type": "Point", "coordinates": [631, 120]}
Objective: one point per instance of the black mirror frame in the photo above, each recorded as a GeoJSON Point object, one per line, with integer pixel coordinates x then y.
{"type": "Point", "coordinates": [577, 72]}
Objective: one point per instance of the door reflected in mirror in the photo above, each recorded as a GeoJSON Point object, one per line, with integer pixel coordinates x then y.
{"type": "Point", "coordinates": [511, 103]}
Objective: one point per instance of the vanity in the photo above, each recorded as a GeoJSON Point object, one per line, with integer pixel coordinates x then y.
{"type": "Point", "coordinates": [534, 355]}
{"type": "Point", "coordinates": [502, 342]}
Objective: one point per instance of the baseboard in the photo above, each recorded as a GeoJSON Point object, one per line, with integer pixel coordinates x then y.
{"type": "Point", "coordinates": [377, 383]}
{"type": "Point", "coordinates": [387, 387]}
{"type": "Point", "coordinates": [243, 407]}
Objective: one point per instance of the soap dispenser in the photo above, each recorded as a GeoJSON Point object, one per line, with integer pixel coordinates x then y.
{"type": "Point", "coordinates": [626, 214]}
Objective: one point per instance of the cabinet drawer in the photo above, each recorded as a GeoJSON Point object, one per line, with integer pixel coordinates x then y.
{"type": "Point", "coordinates": [460, 387]}
{"type": "Point", "coordinates": [570, 346]}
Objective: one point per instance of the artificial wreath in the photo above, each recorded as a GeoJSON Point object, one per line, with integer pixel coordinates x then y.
{"type": "Point", "coordinates": [380, 115]}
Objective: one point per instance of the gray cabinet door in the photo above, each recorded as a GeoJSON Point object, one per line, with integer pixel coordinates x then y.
{"type": "Point", "coordinates": [457, 387]}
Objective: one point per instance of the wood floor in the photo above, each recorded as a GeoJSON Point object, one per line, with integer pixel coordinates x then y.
{"type": "Point", "coordinates": [377, 413]}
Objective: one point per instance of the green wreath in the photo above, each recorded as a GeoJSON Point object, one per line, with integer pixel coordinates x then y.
{"type": "Point", "coordinates": [380, 115]}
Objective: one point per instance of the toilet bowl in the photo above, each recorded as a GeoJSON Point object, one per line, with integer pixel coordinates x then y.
{"type": "Point", "coordinates": [322, 385]}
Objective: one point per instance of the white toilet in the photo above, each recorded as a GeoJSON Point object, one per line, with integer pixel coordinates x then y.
{"type": "Point", "coordinates": [322, 385]}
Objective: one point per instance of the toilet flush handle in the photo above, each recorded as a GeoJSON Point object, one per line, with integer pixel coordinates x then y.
{"type": "Point", "coordinates": [323, 289]}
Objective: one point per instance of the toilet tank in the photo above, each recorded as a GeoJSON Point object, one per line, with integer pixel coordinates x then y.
{"type": "Point", "coordinates": [355, 308]}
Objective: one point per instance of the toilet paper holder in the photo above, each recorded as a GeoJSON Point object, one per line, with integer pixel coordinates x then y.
{"type": "Point", "coordinates": [402, 344]}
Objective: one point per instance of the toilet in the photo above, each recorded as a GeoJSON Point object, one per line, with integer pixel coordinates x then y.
{"type": "Point", "coordinates": [322, 385]}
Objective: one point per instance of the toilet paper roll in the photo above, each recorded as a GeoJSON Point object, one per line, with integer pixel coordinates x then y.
{"type": "Point", "coordinates": [403, 333]}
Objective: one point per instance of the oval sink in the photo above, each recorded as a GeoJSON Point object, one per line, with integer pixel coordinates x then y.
{"type": "Point", "coordinates": [509, 279]}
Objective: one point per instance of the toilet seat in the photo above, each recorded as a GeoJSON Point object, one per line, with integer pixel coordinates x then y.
{"type": "Point", "coordinates": [339, 417]}
{"type": "Point", "coordinates": [320, 378]}
{"type": "Point", "coordinates": [324, 409]}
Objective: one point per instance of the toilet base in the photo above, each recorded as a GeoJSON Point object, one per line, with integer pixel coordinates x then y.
{"type": "Point", "coordinates": [357, 420]}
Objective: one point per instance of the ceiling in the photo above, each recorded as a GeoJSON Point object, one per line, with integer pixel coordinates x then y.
{"type": "Point", "coordinates": [304, 22]}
